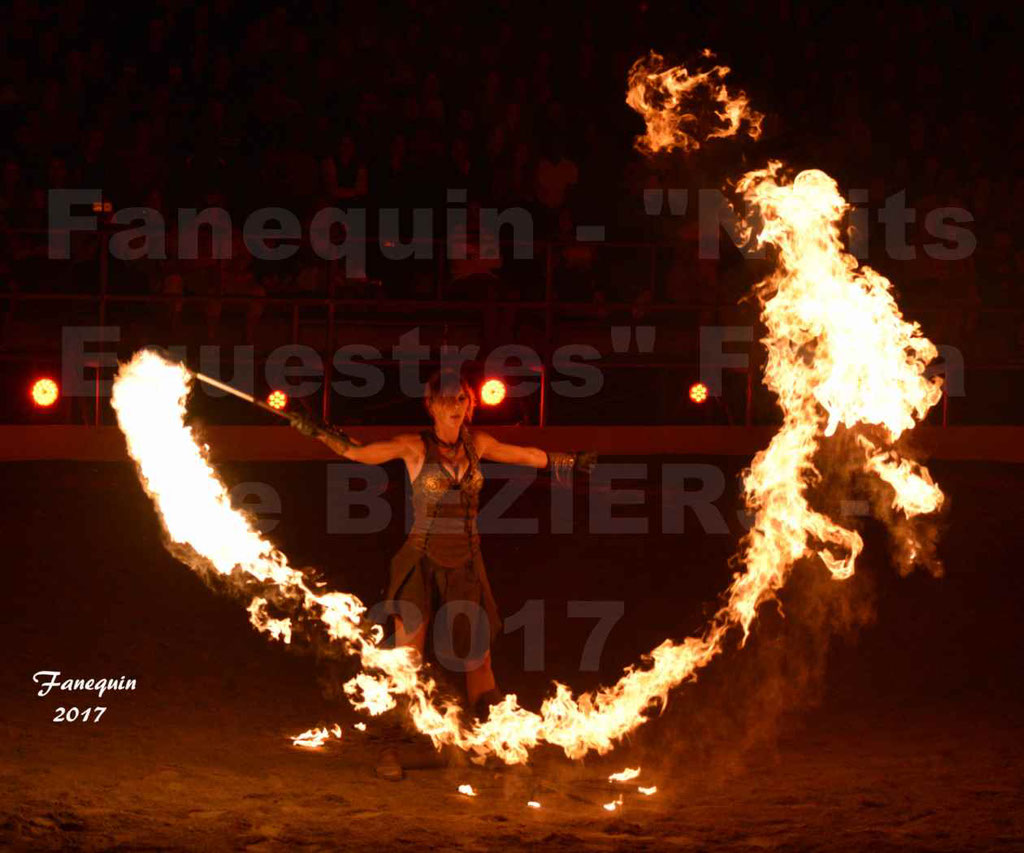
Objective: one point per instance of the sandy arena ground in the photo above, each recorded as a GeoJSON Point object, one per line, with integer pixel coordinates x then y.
{"type": "Point", "coordinates": [883, 714]}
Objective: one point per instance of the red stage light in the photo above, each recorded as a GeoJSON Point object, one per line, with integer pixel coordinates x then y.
{"type": "Point", "coordinates": [45, 392]}
{"type": "Point", "coordinates": [492, 392]}
{"type": "Point", "coordinates": [277, 400]}
{"type": "Point", "coordinates": [698, 392]}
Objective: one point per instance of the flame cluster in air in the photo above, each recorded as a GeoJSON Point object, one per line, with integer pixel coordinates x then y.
{"type": "Point", "coordinates": [839, 354]}
{"type": "Point", "coordinates": [670, 101]}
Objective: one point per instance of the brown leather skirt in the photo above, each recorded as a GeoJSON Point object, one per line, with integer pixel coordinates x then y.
{"type": "Point", "coordinates": [458, 596]}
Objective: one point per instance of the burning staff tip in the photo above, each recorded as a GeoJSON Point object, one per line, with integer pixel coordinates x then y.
{"type": "Point", "coordinates": [162, 352]}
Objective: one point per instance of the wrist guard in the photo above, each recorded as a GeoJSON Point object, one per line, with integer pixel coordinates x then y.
{"type": "Point", "coordinates": [561, 466]}
{"type": "Point", "coordinates": [339, 435]}
{"type": "Point", "coordinates": [307, 426]}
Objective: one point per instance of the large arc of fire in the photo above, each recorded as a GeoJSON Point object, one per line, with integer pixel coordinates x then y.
{"type": "Point", "coordinates": [839, 353]}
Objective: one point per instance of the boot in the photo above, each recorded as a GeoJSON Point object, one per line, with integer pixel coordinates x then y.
{"type": "Point", "coordinates": [482, 706]}
{"type": "Point", "coordinates": [388, 766]}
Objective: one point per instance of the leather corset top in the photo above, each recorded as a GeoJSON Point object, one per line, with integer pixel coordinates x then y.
{"type": "Point", "coordinates": [445, 508]}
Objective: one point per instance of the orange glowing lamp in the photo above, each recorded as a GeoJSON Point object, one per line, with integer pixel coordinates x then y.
{"type": "Point", "coordinates": [45, 392]}
{"type": "Point", "coordinates": [277, 400]}
{"type": "Point", "coordinates": [492, 392]}
{"type": "Point", "coordinates": [698, 392]}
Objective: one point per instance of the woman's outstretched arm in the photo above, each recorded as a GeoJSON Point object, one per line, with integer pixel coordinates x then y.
{"type": "Point", "coordinates": [488, 447]}
{"type": "Point", "coordinates": [404, 447]}
{"type": "Point", "coordinates": [560, 465]}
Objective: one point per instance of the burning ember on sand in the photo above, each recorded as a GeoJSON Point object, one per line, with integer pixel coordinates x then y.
{"type": "Point", "coordinates": [613, 805]}
{"type": "Point", "coordinates": [840, 356]}
{"type": "Point", "coordinates": [315, 738]}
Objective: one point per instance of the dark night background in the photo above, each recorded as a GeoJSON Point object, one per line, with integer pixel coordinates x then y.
{"type": "Point", "coordinates": [882, 713]}
{"type": "Point", "coordinates": [311, 105]}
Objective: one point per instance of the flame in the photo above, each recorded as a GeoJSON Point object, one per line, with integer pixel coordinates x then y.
{"type": "Point", "coordinates": [149, 398]}
{"type": "Point", "coordinates": [533, 804]}
{"type": "Point", "coordinates": [279, 629]}
{"type": "Point", "coordinates": [467, 790]}
{"type": "Point", "coordinates": [647, 792]}
{"type": "Point", "coordinates": [667, 98]}
{"type": "Point", "coordinates": [359, 727]}
{"type": "Point", "coordinates": [625, 775]}
{"type": "Point", "coordinates": [316, 738]}
{"type": "Point", "coordinates": [613, 805]}
{"type": "Point", "coordinates": [839, 354]}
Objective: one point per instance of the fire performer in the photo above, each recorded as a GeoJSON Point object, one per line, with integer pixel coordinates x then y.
{"type": "Point", "coordinates": [440, 562]}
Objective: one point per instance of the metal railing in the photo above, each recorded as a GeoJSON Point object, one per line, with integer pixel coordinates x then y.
{"type": "Point", "coordinates": [334, 307]}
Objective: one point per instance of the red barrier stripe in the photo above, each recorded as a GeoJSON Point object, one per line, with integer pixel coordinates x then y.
{"type": "Point", "coordinates": [249, 443]}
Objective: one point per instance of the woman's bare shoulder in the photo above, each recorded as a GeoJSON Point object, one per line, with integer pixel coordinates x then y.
{"type": "Point", "coordinates": [482, 440]}
{"type": "Point", "coordinates": [411, 442]}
